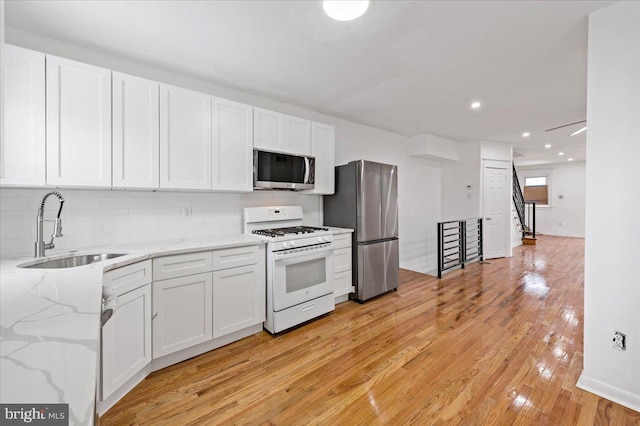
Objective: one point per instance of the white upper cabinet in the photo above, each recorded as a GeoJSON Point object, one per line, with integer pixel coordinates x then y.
{"type": "Point", "coordinates": [232, 146]}
{"type": "Point", "coordinates": [297, 135]}
{"type": "Point", "coordinates": [324, 139]}
{"type": "Point", "coordinates": [78, 124]}
{"type": "Point", "coordinates": [136, 132]}
{"type": "Point", "coordinates": [185, 138]}
{"type": "Point", "coordinates": [23, 144]}
{"type": "Point", "coordinates": [268, 130]}
{"type": "Point", "coordinates": [274, 131]}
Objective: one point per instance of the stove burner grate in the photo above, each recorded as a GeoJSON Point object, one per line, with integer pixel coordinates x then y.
{"type": "Point", "coordinates": [292, 230]}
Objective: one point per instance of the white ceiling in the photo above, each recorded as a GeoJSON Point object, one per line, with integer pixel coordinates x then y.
{"type": "Point", "coordinates": [411, 67]}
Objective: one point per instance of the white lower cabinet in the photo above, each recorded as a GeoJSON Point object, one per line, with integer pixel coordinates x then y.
{"type": "Point", "coordinates": [238, 299]}
{"type": "Point", "coordinates": [126, 340]}
{"type": "Point", "coordinates": [182, 313]}
{"type": "Point", "coordinates": [176, 307]}
{"type": "Point", "coordinates": [342, 261]}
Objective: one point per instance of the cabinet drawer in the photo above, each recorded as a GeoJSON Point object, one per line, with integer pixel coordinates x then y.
{"type": "Point", "coordinates": [128, 277]}
{"type": "Point", "coordinates": [342, 240]}
{"type": "Point", "coordinates": [234, 257]}
{"type": "Point", "coordinates": [343, 283]}
{"type": "Point", "coordinates": [181, 265]}
{"type": "Point", "coordinates": [342, 259]}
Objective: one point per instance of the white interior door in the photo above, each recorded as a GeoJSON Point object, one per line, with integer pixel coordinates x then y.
{"type": "Point", "coordinates": [495, 202]}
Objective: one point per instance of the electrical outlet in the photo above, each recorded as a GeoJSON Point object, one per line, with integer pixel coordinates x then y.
{"type": "Point", "coordinates": [619, 341]}
{"type": "Point", "coordinates": [186, 213]}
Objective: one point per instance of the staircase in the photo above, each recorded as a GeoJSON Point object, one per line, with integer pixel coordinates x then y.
{"type": "Point", "coordinates": [525, 212]}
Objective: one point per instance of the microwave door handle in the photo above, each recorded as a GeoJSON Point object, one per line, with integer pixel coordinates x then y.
{"type": "Point", "coordinates": [306, 170]}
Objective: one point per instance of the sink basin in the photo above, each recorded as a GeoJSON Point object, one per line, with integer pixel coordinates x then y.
{"type": "Point", "coordinates": [70, 261]}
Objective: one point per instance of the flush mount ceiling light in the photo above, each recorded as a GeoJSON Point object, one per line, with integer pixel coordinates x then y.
{"type": "Point", "coordinates": [561, 153]}
{"type": "Point", "coordinates": [345, 10]}
{"type": "Point", "coordinates": [526, 134]}
{"type": "Point", "coordinates": [476, 105]}
{"type": "Point", "coordinates": [570, 159]}
{"type": "Point", "coordinates": [577, 132]}
{"type": "Point", "coordinates": [548, 145]}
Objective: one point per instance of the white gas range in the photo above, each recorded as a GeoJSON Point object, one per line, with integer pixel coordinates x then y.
{"type": "Point", "coordinates": [299, 265]}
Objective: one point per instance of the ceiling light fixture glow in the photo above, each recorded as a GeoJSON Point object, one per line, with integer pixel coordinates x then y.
{"type": "Point", "coordinates": [570, 159]}
{"type": "Point", "coordinates": [577, 132]}
{"type": "Point", "coordinates": [476, 105]}
{"type": "Point", "coordinates": [561, 153]}
{"type": "Point", "coordinates": [526, 134]}
{"type": "Point", "coordinates": [345, 10]}
{"type": "Point", "coordinates": [548, 145]}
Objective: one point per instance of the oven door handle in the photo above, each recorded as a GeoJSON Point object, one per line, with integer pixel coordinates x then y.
{"type": "Point", "coordinates": [288, 260]}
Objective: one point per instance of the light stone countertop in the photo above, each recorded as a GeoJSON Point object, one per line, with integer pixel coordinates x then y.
{"type": "Point", "coordinates": [337, 231]}
{"type": "Point", "coordinates": [50, 323]}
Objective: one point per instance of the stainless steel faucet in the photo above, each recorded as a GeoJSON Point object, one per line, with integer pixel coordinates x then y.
{"type": "Point", "coordinates": [41, 246]}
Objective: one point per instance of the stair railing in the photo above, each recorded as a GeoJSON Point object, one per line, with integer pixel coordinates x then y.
{"type": "Point", "coordinates": [459, 243]}
{"type": "Point", "coordinates": [530, 220]}
{"type": "Point", "coordinates": [518, 200]}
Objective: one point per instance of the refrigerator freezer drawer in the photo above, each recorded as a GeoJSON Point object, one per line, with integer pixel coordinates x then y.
{"type": "Point", "coordinates": [378, 269]}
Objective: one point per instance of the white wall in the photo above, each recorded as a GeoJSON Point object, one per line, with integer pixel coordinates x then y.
{"type": "Point", "coordinates": [458, 202]}
{"type": "Point", "coordinates": [419, 183]}
{"type": "Point", "coordinates": [564, 217]}
{"type": "Point", "coordinates": [612, 275]}
{"type": "Point", "coordinates": [418, 190]}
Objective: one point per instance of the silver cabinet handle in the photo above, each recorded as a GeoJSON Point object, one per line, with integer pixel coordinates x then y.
{"type": "Point", "coordinates": [154, 316]}
{"type": "Point", "coordinates": [488, 218]}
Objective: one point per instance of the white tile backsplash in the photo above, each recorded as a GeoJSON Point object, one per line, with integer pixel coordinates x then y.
{"type": "Point", "coordinates": [93, 218]}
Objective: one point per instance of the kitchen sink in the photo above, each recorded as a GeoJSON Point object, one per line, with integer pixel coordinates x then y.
{"type": "Point", "coordinates": [70, 261]}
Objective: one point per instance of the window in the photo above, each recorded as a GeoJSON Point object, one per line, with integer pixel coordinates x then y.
{"type": "Point", "coordinates": [536, 189]}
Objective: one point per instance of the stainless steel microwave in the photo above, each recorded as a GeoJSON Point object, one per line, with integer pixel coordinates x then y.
{"type": "Point", "coordinates": [273, 170]}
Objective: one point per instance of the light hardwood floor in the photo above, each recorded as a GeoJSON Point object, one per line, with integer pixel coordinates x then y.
{"type": "Point", "coordinates": [493, 344]}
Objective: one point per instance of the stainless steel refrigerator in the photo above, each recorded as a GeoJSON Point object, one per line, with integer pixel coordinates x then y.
{"type": "Point", "coordinates": [366, 200]}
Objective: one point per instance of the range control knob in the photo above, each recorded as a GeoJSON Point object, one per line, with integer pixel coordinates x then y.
{"type": "Point", "coordinates": [321, 239]}
{"type": "Point", "coordinates": [293, 243]}
{"type": "Point", "coordinates": [285, 245]}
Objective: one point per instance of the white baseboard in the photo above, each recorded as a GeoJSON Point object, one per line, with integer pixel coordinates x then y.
{"type": "Point", "coordinates": [607, 391]}
{"type": "Point", "coordinates": [555, 234]}
{"type": "Point", "coordinates": [514, 245]}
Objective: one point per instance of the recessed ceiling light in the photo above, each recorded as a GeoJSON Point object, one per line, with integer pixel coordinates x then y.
{"type": "Point", "coordinates": [526, 134]}
{"type": "Point", "coordinates": [577, 132]}
{"type": "Point", "coordinates": [570, 159]}
{"type": "Point", "coordinates": [345, 10]}
{"type": "Point", "coordinates": [548, 145]}
{"type": "Point", "coordinates": [476, 105]}
{"type": "Point", "coordinates": [561, 153]}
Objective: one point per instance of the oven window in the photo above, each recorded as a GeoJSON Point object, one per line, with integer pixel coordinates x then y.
{"type": "Point", "coordinates": [306, 274]}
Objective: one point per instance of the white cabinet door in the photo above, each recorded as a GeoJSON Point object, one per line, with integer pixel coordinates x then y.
{"type": "Point", "coordinates": [238, 299]}
{"type": "Point", "coordinates": [232, 146]}
{"type": "Point", "coordinates": [126, 340]}
{"type": "Point", "coordinates": [22, 155]}
{"type": "Point", "coordinates": [342, 260]}
{"type": "Point", "coordinates": [343, 283]}
{"type": "Point", "coordinates": [136, 132]}
{"type": "Point", "coordinates": [268, 130]}
{"type": "Point", "coordinates": [78, 124]}
{"type": "Point", "coordinates": [297, 135]}
{"type": "Point", "coordinates": [185, 138]}
{"type": "Point", "coordinates": [182, 313]}
{"type": "Point", "coordinates": [323, 140]}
